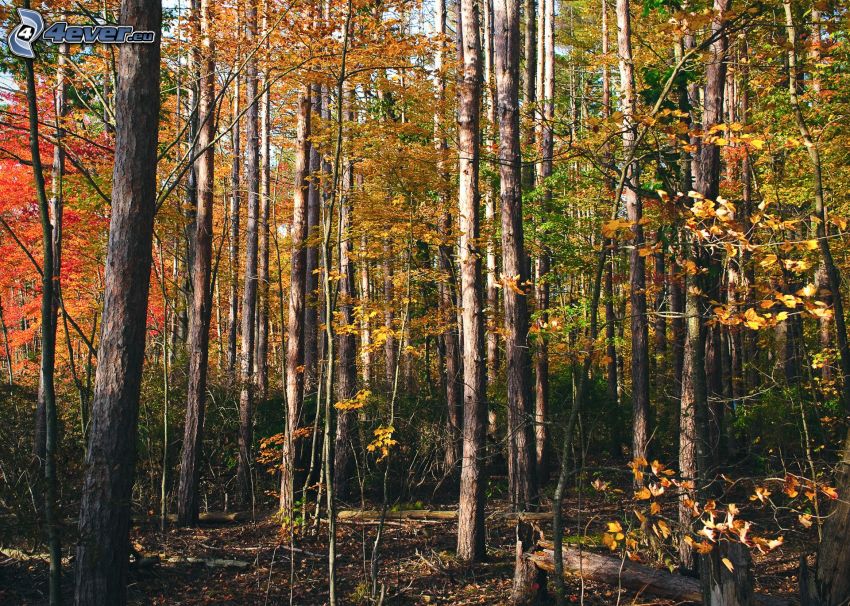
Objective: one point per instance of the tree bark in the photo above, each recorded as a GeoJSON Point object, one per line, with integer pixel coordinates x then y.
{"type": "Point", "coordinates": [470, 539]}
{"type": "Point", "coordinates": [262, 382]}
{"type": "Point", "coordinates": [448, 284]}
{"type": "Point", "coordinates": [102, 553]}
{"type": "Point", "coordinates": [297, 286]}
{"type": "Point", "coordinates": [249, 291]}
{"type": "Point", "coordinates": [235, 236]}
{"type": "Point", "coordinates": [346, 384]}
{"type": "Point", "coordinates": [637, 264]}
{"type": "Point", "coordinates": [545, 99]}
{"type": "Point", "coordinates": [51, 233]}
{"type": "Point", "coordinates": [199, 320]}
{"type": "Point", "coordinates": [311, 304]}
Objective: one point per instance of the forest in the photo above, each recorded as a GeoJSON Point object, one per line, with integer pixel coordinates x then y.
{"type": "Point", "coordinates": [373, 302]}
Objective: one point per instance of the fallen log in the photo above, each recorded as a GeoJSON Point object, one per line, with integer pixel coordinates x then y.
{"type": "Point", "coordinates": [446, 515]}
{"type": "Point", "coordinates": [208, 562]}
{"type": "Point", "coordinates": [629, 575]}
{"type": "Point", "coordinates": [217, 517]}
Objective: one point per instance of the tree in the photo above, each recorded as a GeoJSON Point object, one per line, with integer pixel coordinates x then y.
{"type": "Point", "coordinates": [545, 136]}
{"type": "Point", "coordinates": [249, 293]}
{"type": "Point", "coordinates": [46, 416]}
{"type": "Point", "coordinates": [295, 319]}
{"type": "Point", "coordinates": [522, 480]}
{"type": "Point", "coordinates": [102, 553]}
{"type": "Point", "coordinates": [448, 286]}
{"type": "Point", "coordinates": [637, 263]}
{"type": "Point", "coordinates": [199, 319]}
{"type": "Point", "coordinates": [470, 533]}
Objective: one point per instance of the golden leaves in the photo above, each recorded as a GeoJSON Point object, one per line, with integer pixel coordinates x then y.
{"type": "Point", "coordinates": [383, 441]}
{"type": "Point", "coordinates": [357, 402]}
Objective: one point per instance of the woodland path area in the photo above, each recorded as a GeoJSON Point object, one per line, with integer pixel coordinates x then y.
{"type": "Point", "coordinates": [249, 563]}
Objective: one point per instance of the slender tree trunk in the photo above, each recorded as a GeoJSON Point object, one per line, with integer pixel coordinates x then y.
{"type": "Point", "coordinates": [693, 396]}
{"type": "Point", "coordinates": [390, 345]}
{"type": "Point", "coordinates": [720, 586]}
{"type": "Point", "coordinates": [448, 284]}
{"type": "Point", "coordinates": [470, 539]}
{"type": "Point", "coordinates": [490, 225]}
{"type": "Point", "coordinates": [610, 316]}
{"type": "Point", "coordinates": [365, 322]}
{"type": "Point", "coordinates": [51, 264]}
{"type": "Point", "coordinates": [249, 292]}
{"type": "Point", "coordinates": [199, 320]}
{"type": "Point", "coordinates": [6, 347]}
{"type": "Point", "coordinates": [545, 97]}
{"type": "Point", "coordinates": [311, 305]}
{"type": "Point", "coordinates": [506, 43]}
{"type": "Point", "coordinates": [263, 284]}
{"type": "Point", "coordinates": [521, 477]}
{"type": "Point", "coordinates": [235, 236]}
{"type": "Point", "coordinates": [297, 285]}
{"type": "Point", "coordinates": [346, 386]}
{"type": "Point", "coordinates": [637, 265]}
{"type": "Point", "coordinates": [102, 551]}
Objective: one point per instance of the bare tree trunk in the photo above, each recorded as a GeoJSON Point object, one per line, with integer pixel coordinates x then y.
{"type": "Point", "coordinates": [448, 285]}
{"type": "Point", "coordinates": [235, 236]}
{"type": "Point", "coordinates": [521, 476]}
{"type": "Point", "coordinates": [311, 305]}
{"type": "Point", "coordinates": [365, 322]}
{"type": "Point", "coordinates": [610, 316]}
{"type": "Point", "coordinates": [6, 347]}
{"type": "Point", "coordinates": [51, 233]}
{"type": "Point", "coordinates": [720, 586]}
{"type": "Point", "coordinates": [263, 285]}
{"type": "Point", "coordinates": [637, 265]}
{"type": "Point", "coordinates": [546, 87]}
{"type": "Point", "coordinates": [693, 396]}
{"type": "Point", "coordinates": [346, 386]}
{"type": "Point", "coordinates": [470, 539]}
{"type": "Point", "coordinates": [295, 319]}
{"type": "Point", "coordinates": [506, 43]}
{"type": "Point", "coordinates": [199, 320]}
{"type": "Point", "coordinates": [492, 291]}
{"type": "Point", "coordinates": [102, 551]}
{"type": "Point", "coordinates": [249, 292]}
{"type": "Point", "coordinates": [390, 345]}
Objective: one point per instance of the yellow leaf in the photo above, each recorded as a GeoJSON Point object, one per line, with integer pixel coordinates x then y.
{"type": "Point", "coordinates": [614, 527]}
{"type": "Point", "coordinates": [728, 564]}
{"type": "Point", "coordinates": [643, 494]}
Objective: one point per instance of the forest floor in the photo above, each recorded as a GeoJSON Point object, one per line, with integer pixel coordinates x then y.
{"type": "Point", "coordinates": [417, 565]}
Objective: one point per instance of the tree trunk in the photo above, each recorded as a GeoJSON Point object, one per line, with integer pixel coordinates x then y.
{"type": "Point", "coordinates": [637, 265]}
{"type": "Point", "coordinates": [51, 233]}
{"type": "Point", "coordinates": [448, 284]}
{"type": "Point", "coordinates": [545, 98]}
{"type": "Point", "coordinates": [199, 320]}
{"type": "Point", "coordinates": [311, 304]}
{"type": "Point", "coordinates": [102, 553]}
{"type": "Point", "coordinates": [693, 396]}
{"type": "Point", "coordinates": [262, 382]}
{"type": "Point", "coordinates": [235, 236]}
{"type": "Point", "coordinates": [470, 539]}
{"type": "Point", "coordinates": [390, 345]}
{"type": "Point", "coordinates": [297, 286]}
{"type": "Point", "coordinates": [249, 292]}
{"type": "Point", "coordinates": [346, 385]}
